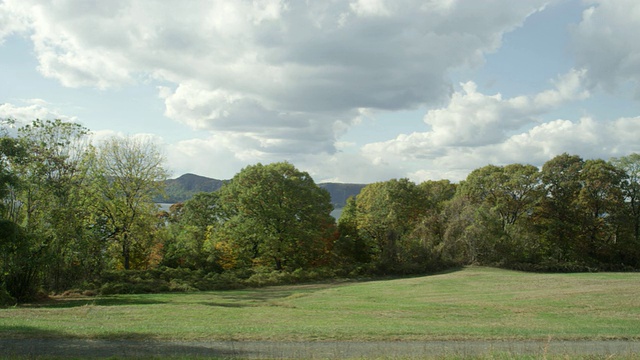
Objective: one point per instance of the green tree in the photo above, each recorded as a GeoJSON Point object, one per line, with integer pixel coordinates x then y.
{"type": "Point", "coordinates": [504, 198]}
{"type": "Point", "coordinates": [558, 214]}
{"type": "Point", "coordinates": [46, 199]}
{"type": "Point", "coordinates": [630, 165]}
{"type": "Point", "coordinates": [601, 202]}
{"type": "Point", "coordinates": [129, 173]}
{"type": "Point", "coordinates": [275, 216]}
{"type": "Point", "coordinates": [386, 212]}
{"type": "Point", "coordinates": [190, 224]}
{"type": "Point", "coordinates": [429, 232]}
{"type": "Point", "coordinates": [350, 248]}
{"type": "Point", "coordinates": [16, 274]}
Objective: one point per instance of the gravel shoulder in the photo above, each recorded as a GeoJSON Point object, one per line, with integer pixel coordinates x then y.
{"type": "Point", "coordinates": [77, 348]}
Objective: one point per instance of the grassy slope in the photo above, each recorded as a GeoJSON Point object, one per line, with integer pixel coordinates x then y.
{"type": "Point", "coordinates": [475, 303]}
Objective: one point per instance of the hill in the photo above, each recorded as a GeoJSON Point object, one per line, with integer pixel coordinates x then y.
{"type": "Point", "coordinates": [187, 185]}
{"type": "Point", "coordinates": [341, 192]}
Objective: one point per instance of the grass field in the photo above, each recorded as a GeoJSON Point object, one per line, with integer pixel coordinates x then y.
{"type": "Point", "coordinates": [473, 303]}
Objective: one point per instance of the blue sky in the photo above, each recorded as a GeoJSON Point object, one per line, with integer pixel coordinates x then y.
{"type": "Point", "coordinates": [350, 91]}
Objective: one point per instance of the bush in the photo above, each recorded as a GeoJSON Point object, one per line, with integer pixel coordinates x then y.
{"type": "Point", "coordinates": [167, 279]}
{"type": "Point", "coordinates": [6, 299]}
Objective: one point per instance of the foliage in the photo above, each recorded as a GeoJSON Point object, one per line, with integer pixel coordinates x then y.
{"type": "Point", "coordinates": [274, 216]}
{"type": "Point", "coordinates": [190, 225]}
{"type": "Point", "coordinates": [56, 190]}
{"type": "Point", "coordinates": [128, 174]}
{"type": "Point", "coordinates": [74, 215]}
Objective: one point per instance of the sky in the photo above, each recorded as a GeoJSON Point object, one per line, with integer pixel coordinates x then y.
{"type": "Point", "coordinates": [347, 90]}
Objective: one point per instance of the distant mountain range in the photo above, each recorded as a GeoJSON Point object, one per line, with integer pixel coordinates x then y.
{"type": "Point", "coordinates": [187, 185]}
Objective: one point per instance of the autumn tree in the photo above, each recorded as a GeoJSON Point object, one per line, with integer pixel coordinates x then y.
{"type": "Point", "coordinates": [275, 216]}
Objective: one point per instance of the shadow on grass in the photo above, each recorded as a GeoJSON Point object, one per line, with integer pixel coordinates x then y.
{"type": "Point", "coordinates": [60, 303]}
{"type": "Point", "coordinates": [128, 345]}
{"type": "Point", "coordinates": [227, 305]}
{"type": "Point", "coordinates": [35, 333]}
{"type": "Point", "coordinates": [22, 332]}
{"type": "Point", "coordinates": [257, 296]}
{"type": "Point", "coordinates": [251, 298]}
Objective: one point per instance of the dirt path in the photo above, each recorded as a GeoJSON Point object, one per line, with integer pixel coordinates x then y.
{"type": "Point", "coordinates": [307, 350]}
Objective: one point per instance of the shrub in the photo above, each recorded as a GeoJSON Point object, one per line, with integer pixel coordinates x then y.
{"type": "Point", "coordinates": [5, 298]}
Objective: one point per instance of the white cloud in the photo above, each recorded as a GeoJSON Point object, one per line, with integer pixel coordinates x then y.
{"type": "Point", "coordinates": [473, 119]}
{"type": "Point", "coordinates": [587, 137]}
{"type": "Point", "coordinates": [475, 129]}
{"type": "Point", "coordinates": [31, 110]}
{"type": "Point", "coordinates": [10, 22]}
{"type": "Point", "coordinates": [279, 73]}
{"type": "Point", "coordinates": [370, 8]}
{"type": "Point", "coordinates": [606, 43]}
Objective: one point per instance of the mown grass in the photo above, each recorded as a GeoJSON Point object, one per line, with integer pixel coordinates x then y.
{"type": "Point", "coordinates": [473, 303]}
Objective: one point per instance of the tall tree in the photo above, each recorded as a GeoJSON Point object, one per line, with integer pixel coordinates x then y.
{"type": "Point", "coordinates": [189, 228]}
{"type": "Point", "coordinates": [351, 249]}
{"type": "Point", "coordinates": [386, 212]}
{"type": "Point", "coordinates": [427, 239]}
{"type": "Point", "coordinates": [129, 173]}
{"type": "Point", "coordinates": [630, 165]}
{"type": "Point", "coordinates": [601, 201]}
{"type": "Point", "coordinates": [47, 200]}
{"type": "Point", "coordinates": [276, 216]}
{"type": "Point", "coordinates": [504, 198]}
{"type": "Point", "coordinates": [558, 214]}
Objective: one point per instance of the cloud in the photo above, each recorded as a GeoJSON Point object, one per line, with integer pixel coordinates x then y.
{"type": "Point", "coordinates": [284, 73]}
{"type": "Point", "coordinates": [605, 42]}
{"type": "Point", "coordinates": [476, 129]}
{"type": "Point", "coordinates": [10, 22]}
{"type": "Point", "coordinates": [587, 137]}
{"type": "Point", "coordinates": [31, 110]}
{"type": "Point", "coordinates": [473, 119]}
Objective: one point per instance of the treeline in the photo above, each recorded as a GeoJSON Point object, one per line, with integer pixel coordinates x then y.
{"type": "Point", "coordinates": [70, 211]}
{"type": "Point", "coordinates": [571, 215]}
{"type": "Point", "coordinates": [78, 216]}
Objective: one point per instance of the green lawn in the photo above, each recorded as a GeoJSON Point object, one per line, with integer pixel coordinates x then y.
{"type": "Point", "coordinates": [474, 303]}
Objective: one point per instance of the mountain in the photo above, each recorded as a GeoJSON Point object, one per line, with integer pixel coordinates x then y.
{"type": "Point", "coordinates": [187, 185]}
{"type": "Point", "coordinates": [341, 192]}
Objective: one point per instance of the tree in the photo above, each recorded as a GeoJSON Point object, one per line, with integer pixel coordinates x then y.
{"type": "Point", "coordinates": [504, 198]}
{"type": "Point", "coordinates": [275, 216]}
{"type": "Point", "coordinates": [46, 200]}
{"type": "Point", "coordinates": [630, 165]}
{"type": "Point", "coordinates": [129, 173]}
{"type": "Point", "coordinates": [386, 212]}
{"type": "Point", "coordinates": [558, 214]}
{"type": "Point", "coordinates": [601, 202]}
{"type": "Point", "coordinates": [16, 276]}
{"type": "Point", "coordinates": [427, 238]}
{"type": "Point", "coordinates": [350, 248]}
{"type": "Point", "coordinates": [12, 151]}
{"type": "Point", "coordinates": [190, 225]}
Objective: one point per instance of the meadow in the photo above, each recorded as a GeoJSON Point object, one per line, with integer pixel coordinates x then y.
{"type": "Point", "coordinates": [474, 303]}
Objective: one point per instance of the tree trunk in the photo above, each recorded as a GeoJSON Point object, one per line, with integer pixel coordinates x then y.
{"type": "Point", "coordinates": [125, 250]}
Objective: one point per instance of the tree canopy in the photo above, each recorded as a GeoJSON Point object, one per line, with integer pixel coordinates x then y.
{"type": "Point", "coordinates": [74, 214]}
{"type": "Point", "coordinates": [276, 216]}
